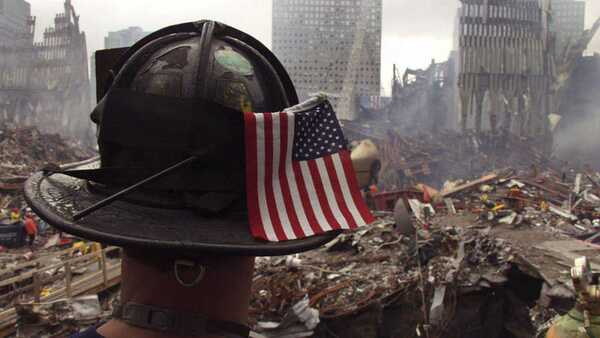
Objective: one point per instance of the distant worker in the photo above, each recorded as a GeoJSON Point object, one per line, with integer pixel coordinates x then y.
{"type": "Point", "coordinates": [15, 215]}
{"type": "Point", "coordinates": [176, 134]}
{"type": "Point", "coordinates": [31, 228]}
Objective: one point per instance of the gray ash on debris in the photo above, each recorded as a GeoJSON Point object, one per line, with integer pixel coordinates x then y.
{"type": "Point", "coordinates": [24, 150]}
{"type": "Point", "coordinates": [490, 257]}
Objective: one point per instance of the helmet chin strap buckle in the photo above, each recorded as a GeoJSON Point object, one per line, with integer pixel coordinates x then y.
{"type": "Point", "coordinates": [185, 264]}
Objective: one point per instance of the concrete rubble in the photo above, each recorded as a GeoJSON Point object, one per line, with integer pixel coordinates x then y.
{"type": "Point", "coordinates": [24, 150]}
{"type": "Point", "coordinates": [486, 253]}
{"type": "Point", "coordinates": [491, 235]}
{"type": "Point", "coordinates": [435, 158]}
{"type": "Point", "coordinates": [495, 263]}
{"type": "Point", "coordinates": [477, 226]}
{"type": "Point", "coordinates": [60, 317]}
{"type": "Point", "coordinates": [30, 275]}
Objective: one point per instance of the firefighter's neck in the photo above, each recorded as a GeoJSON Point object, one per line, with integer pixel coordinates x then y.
{"type": "Point", "coordinates": [222, 294]}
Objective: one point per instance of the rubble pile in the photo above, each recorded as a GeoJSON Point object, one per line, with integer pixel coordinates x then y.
{"type": "Point", "coordinates": [375, 268]}
{"type": "Point", "coordinates": [46, 292]}
{"type": "Point", "coordinates": [24, 150]}
{"type": "Point", "coordinates": [545, 201]}
{"type": "Point", "coordinates": [435, 158]}
{"type": "Point", "coordinates": [64, 317]}
{"type": "Point", "coordinates": [30, 273]}
{"type": "Point", "coordinates": [489, 257]}
{"type": "Point", "coordinates": [487, 254]}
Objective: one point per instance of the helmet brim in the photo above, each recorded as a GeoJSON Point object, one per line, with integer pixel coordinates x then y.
{"type": "Point", "coordinates": [58, 197]}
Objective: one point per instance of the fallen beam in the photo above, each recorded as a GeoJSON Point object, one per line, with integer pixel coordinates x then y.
{"type": "Point", "coordinates": [470, 185]}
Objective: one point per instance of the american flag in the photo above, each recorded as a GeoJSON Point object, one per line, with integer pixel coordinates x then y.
{"type": "Point", "coordinates": [299, 176]}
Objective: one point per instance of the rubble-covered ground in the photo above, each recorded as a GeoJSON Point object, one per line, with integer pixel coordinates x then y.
{"type": "Point", "coordinates": [488, 259]}
{"type": "Point", "coordinates": [24, 150]}
{"type": "Point", "coordinates": [496, 225]}
{"type": "Point", "coordinates": [434, 158]}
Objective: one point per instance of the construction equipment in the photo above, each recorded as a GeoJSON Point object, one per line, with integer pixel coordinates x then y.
{"type": "Point", "coordinates": [365, 159]}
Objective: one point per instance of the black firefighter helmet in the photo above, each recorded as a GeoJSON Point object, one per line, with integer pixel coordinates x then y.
{"type": "Point", "coordinates": [175, 101]}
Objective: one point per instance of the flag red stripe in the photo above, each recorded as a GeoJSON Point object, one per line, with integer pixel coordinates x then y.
{"type": "Point", "coordinates": [272, 206]}
{"type": "Point", "coordinates": [337, 190]}
{"type": "Point", "coordinates": [283, 182]}
{"type": "Point", "coordinates": [289, 199]}
{"type": "Point", "coordinates": [353, 184]}
{"type": "Point", "coordinates": [320, 190]}
{"type": "Point", "coordinates": [310, 214]}
{"type": "Point", "coordinates": [251, 178]}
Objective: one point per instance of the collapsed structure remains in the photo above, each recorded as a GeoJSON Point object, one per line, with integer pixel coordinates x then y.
{"type": "Point", "coordinates": [46, 83]}
{"type": "Point", "coordinates": [505, 60]}
{"type": "Point", "coordinates": [466, 269]}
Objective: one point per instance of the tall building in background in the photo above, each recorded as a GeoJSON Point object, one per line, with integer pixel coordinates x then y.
{"type": "Point", "coordinates": [124, 38]}
{"type": "Point", "coordinates": [568, 21]}
{"type": "Point", "coordinates": [15, 23]}
{"type": "Point", "coordinates": [331, 46]}
{"type": "Point", "coordinates": [119, 39]}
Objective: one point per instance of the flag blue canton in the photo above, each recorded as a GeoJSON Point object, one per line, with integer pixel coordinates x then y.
{"type": "Point", "coordinates": [317, 133]}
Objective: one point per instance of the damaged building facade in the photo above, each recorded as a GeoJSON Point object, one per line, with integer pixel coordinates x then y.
{"type": "Point", "coordinates": [45, 83]}
{"type": "Point", "coordinates": [504, 61]}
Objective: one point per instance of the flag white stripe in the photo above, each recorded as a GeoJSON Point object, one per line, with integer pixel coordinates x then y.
{"type": "Point", "coordinates": [339, 169]}
{"type": "Point", "coordinates": [277, 193]}
{"type": "Point", "coordinates": [291, 178]}
{"type": "Point", "coordinates": [331, 200]}
{"type": "Point", "coordinates": [262, 197]}
{"type": "Point", "coordinates": [312, 197]}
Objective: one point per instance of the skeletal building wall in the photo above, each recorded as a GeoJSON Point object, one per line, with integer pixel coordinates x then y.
{"type": "Point", "coordinates": [331, 46]}
{"type": "Point", "coordinates": [504, 66]}
{"type": "Point", "coordinates": [46, 83]}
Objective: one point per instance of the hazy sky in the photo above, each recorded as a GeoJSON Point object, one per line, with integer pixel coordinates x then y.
{"type": "Point", "coordinates": [414, 31]}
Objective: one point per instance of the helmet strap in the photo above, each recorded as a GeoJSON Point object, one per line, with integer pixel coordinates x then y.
{"type": "Point", "coordinates": [176, 323]}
